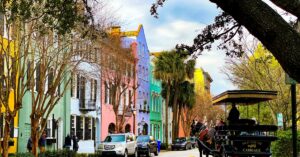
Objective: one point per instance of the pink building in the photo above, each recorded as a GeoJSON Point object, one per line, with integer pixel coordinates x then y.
{"type": "Point", "coordinates": [128, 96]}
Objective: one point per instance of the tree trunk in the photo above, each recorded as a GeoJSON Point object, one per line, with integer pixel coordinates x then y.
{"type": "Point", "coordinates": [6, 136]}
{"type": "Point", "coordinates": [34, 136]}
{"type": "Point", "coordinates": [167, 118]}
{"type": "Point", "coordinates": [117, 129]}
{"type": "Point", "coordinates": [178, 120]}
{"type": "Point", "coordinates": [175, 114]}
{"type": "Point", "coordinates": [270, 28]}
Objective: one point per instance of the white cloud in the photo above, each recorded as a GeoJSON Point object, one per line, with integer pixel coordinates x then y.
{"type": "Point", "coordinates": [168, 35]}
{"type": "Point", "coordinates": [167, 31]}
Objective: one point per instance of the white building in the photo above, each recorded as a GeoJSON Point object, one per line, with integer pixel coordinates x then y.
{"type": "Point", "coordinates": [170, 117]}
{"type": "Point", "coordinates": [85, 107]}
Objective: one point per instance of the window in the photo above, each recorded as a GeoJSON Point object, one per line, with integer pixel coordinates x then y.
{"type": "Point", "coordinates": [78, 86]}
{"type": "Point", "coordinates": [125, 97]}
{"type": "Point", "coordinates": [50, 78]}
{"type": "Point", "coordinates": [82, 88]}
{"type": "Point", "coordinates": [73, 85]}
{"type": "Point", "coordinates": [79, 127]}
{"type": "Point", "coordinates": [106, 93]}
{"type": "Point", "coordinates": [73, 126]}
{"type": "Point", "coordinates": [95, 90]}
{"type": "Point", "coordinates": [87, 128]}
{"type": "Point", "coordinates": [94, 128]}
{"type": "Point", "coordinates": [1, 24]}
{"type": "Point", "coordinates": [129, 97]}
{"type": "Point", "coordinates": [49, 128]}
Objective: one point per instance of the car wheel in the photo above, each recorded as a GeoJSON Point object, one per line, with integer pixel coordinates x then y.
{"type": "Point", "coordinates": [126, 153]}
{"type": "Point", "coordinates": [135, 153]}
{"type": "Point", "coordinates": [156, 152]}
{"type": "Point", "coordinates": [148, 153]}
{"type": "Point", "coordinates": [186, 147]}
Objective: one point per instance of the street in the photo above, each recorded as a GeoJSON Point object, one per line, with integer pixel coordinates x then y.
{"type": "Point", "coordinates": [181, 153]}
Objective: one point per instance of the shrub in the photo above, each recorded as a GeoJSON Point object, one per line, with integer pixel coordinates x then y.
{"type": "Point", "coordinates": [284, 145]}
{"type": "Point", "coordinates": [164, 146]}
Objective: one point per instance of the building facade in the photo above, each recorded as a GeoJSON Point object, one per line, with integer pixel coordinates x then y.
{"type": "Point", "coordinates": [125, 111]}
{"type": "Point", "coordinates": [155, 105]}
{"type": "Point", "coordinates": [85, 107]}
{"type": "Point", "coordinates": [59, 115]}
{"type": "Point", "coordinates": [143, 80]}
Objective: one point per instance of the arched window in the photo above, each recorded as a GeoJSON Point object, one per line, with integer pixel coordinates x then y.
{"type": "Point", "coordinates": [127, 128]}
{"type": "Point", "coordinates": [145, 129]}
{"type": "Point", "coordinates": [111, 128]}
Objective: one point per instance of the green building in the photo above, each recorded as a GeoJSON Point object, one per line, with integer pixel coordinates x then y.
{"type": "Point", "coordinates": [156, 101]}
{"type": "Point", "coordinates": [59, 115]}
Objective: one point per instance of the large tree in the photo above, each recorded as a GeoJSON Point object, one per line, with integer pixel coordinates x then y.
{"type": "Point", "coordinates": [261, 20]}
{"type": "Point", "coordinates": [118, 72]}
{"type": "Point", "coordinates": [173, 69]}
{"type": "Point", "coordinates": [41, 44]}
{"type": "Point", "coordinates": [260, 70]}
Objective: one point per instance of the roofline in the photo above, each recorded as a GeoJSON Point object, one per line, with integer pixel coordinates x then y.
{"type": "Point", "coordinates": [253, 93]}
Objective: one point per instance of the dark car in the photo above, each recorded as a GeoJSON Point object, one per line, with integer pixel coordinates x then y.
{"type": "Point", "coordinates": [193, 142]}
{"type": "Point", "coordinates": [181, 143]}
{"type": "Point", "coordinates": [146, 145]}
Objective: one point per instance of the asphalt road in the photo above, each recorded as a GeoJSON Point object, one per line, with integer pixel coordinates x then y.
{"type": "Point", "coordinates": [182, 153]}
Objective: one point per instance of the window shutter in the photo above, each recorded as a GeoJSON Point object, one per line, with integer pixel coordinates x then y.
{"type": "Point", "coordinates": [78, 86]}
{"type": "Point", "coordinates": [37, 77]}
{"type": "Point", "coordinates": [73, 126]}
{"type": "Point", "coordinates": [79, 130]}
{"type": "Point", "coordinates": [87, 128]}
{"type": "Point", "coordinates": [12, 128]}
{"type": "Point", "coordinates": [94, 129]}
{"type": "Point", "coordinates": [95, 90]}
{"type": "Point", "coordinates": [72, 84]}
{"type": "Point", "coordinates": [50, 78]}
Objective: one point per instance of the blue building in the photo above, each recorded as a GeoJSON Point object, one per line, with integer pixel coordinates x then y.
{"type": "Point", "coordinates": [143, 80]}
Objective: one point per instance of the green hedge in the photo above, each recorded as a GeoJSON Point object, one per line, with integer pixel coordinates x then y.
{"type": "Point", "coordinates": [283, 146]}
{"type": "Point", "coordinates": [59, 153]}
{"type": "Point", "coordinates": [163, 146]}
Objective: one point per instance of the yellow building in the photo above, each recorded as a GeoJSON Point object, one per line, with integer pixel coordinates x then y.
{"type": "Point", "coordinates": [14, 124]}
{"type": "Point", "coordinates": [202, 81]}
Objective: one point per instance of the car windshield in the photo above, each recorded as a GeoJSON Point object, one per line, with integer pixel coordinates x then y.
{"type": "Point", "coordinates": [115, 138]}
{"type": "Point", "coordinates": [143, 139]}
{"type": "Point", "coordinates": [180, 140]}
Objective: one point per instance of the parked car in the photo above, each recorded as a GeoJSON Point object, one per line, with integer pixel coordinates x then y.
{"type": "Point", "coordinates": [146, 145]}
{"type": "Point", "coordinates": [118, 145]}
{"type": "Point", "coordinates": [193, 142]}
{"type": "Point", "coordinates": [181, 143]}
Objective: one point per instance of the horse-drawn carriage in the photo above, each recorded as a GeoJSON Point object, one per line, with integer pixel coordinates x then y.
{"type": "Point", "coordinates": [244, 138]}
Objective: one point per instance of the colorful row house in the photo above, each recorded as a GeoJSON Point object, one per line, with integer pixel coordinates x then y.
{"type": "Point", "coordinates": [118, 116]}
{"type": "Point", "coordinates": [86, 108]}
{"type": "Point", "coordinates": [156, 104]}
{"type": "Point", "coordinates": [7, 50]}
{"type": "Point", "coordinates": [143, 79]}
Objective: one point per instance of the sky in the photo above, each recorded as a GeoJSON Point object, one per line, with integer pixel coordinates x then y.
{"type": "Point", "coordinates": [179, 22]}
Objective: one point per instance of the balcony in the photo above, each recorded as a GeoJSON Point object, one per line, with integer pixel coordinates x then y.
{"type": "Point", "coordinates": [87, 105]}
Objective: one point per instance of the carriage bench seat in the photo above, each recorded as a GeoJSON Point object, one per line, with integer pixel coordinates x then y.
{"type": "Point", "coordinates": [256, 154]}
{"type": "Point", "coordinates": [229, 151]}
{"type": "Point", "coordinates": [259, 128]}
{"type": "Point", "coordinates": [252, 138]}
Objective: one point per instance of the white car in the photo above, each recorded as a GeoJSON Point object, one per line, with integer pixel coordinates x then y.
{"type": "Point", "coordinates": [118, 145]}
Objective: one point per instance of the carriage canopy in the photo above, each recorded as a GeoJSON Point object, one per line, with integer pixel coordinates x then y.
{"type": "Point", "coordinates": [244, 97]}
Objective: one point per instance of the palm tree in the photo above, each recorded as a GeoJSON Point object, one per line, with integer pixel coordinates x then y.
{"type": "Point", "coordinates": [186, 100]}
{"type": "Point", "coordinates": [171, 69]}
